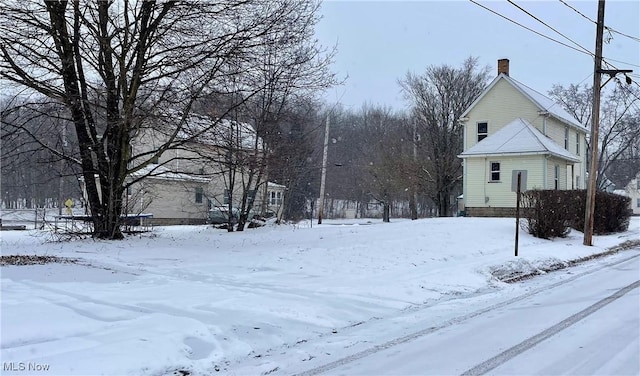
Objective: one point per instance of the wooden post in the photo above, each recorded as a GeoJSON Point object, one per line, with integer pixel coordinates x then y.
{"type": "Point", "coordinates": [595, 120]}
{"type": "Point", "coordinates": [518, 211]}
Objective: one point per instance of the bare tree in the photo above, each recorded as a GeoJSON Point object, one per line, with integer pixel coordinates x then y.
{"type": "Point", "coordinates": [32, 177]}
{"type": "Point", "coordinates": [386, 155]}
{"type": "Point", "coordinates": [348, 149]}
{"type": "Point", "coordinates": [290, 67]}
{"type": "Point", "coordinates": [120, 66]}
{"type": "Point", "coordinates": [438, 98]}
{"type": "Point", "coordinates": [619, 128]}
{"type": "Point", "coordinates": [367, 154]}
{"type": "Point", "coordinates": [295, 154]}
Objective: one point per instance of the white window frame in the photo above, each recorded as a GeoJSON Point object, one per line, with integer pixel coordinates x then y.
{"type": "Point", "coordinates": [566, 138]}
{"type": "Point", "coordinates": [483, 135]}
{"type": "Point", "coordinates": [275, 198]}
{"type": "Point", "coordinates": [577, 143]}
{"type": "Point", "coordinates": [556, 177]}
{"type": "Point", "coordinates": [492, 172]}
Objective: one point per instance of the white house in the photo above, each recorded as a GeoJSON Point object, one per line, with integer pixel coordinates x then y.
{"type": "Point", "coordinates": [512, 128]}
{"type": "Point", "coordinates": [171, 197]}
{"type": "Point", "coordinates": [625, 176]}
{"type": "Point", "coordinates": [186, 181]}
{"type": "Point", "coordinates": [633, 191]}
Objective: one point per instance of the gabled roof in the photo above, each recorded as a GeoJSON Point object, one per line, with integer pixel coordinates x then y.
{"type": "Point", "coordinates": [220, 132]}
{"type": "Point", "coordinates": [211, 131]}
{"type": "Point", "coordinates": [621, 172]}
{"type": "Point", "coordinates": [518, 138]}
{"type": "Point", "coordinates": [541, 101]}
{"type": "Point", "coordinates": [276, 185]}
{"type": "Point", "coordinates": [154, 171]}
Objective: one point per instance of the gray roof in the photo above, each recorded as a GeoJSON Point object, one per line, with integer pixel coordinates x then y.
{"type": "Point", "coordinates": [518, 138]}
{"type": "Point", "coordinates": [541, 101]}
{"type": "Point", "coordinates": [621, 172]}
{"type": "Point", "coordinates": [159, 172]}
{"type": "Point", "coordinates": [220, 132]}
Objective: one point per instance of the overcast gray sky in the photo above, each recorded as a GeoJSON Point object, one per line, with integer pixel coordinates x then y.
{"type": "Point", "coordinates": [379, 41]}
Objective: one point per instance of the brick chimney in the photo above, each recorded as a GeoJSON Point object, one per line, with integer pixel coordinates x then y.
{"type": "Point", "coordinates": [503, 66]}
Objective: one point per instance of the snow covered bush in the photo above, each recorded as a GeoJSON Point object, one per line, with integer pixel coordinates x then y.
{"type": "Point", "coordinates": [545, 214]}
{"type": "Point", "coordinates": [552, 213]}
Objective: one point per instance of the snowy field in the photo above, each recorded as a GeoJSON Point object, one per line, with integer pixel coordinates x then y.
{"type": "Point", "coordinates": [193, 300]}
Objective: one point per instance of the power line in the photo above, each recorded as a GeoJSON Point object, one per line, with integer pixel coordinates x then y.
{"type": "Point", "coordinates": [623, 34]}
{"type": "Point", "coordinates": [610, 29]}
{"type": "Point", "coordinates": [583, 51]}
{"type": "Point", "coordinates": [607, 28]}
{"type": "Point", "coordinates": [561, 34]}
{"type": "Point", "coordinates": [547, 25]}
{"type": "Point", "coordinates": [622, 62]}
{"type": "Point", "coordinates": [528, 28]}
{"type": "Point", "coordinates": [635, 82]}
{"type": "Point", "coordinates": [631, 92]}
{"type": "Point", "coordinates": [577, 11]}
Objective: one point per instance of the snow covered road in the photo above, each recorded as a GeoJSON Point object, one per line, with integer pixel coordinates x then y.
{"type": "Point", "coordinates": [585, 325]}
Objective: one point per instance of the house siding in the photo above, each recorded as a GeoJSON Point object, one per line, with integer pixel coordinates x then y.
{"type": "Point", "coordinates": [504, 103]}
{"type": "Point", "coordinates": [474, 178]}
{"type": "Point", "coordinates": [170, 202]}
{"type": "Point", "coordinates": [498, 107]}
{"type": "Point", "coordinates": [198, 160]}
{"type": "Point", "coordinates": [565, 177]}
{"type": "Point", "coordinates": [499, 193]}
{"type": "Point", "coordinates": [633, 191]}
{"type": "Point", "coordinates": [554, 130]}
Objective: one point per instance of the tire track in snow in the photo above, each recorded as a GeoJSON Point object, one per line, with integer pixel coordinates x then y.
{"type": "Point", "coordinates": [530, 342]}
{"type": "Point", "coordinates": [410, 337]}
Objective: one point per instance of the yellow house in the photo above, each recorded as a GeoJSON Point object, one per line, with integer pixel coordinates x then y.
{"type": "Point", "coordinates": [512, 128]}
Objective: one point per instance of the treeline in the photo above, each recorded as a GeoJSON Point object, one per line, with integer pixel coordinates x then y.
{"type": "Point", "coordinates": [84, 79]}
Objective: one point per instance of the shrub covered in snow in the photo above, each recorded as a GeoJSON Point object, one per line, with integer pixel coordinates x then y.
{"type": "Point", "coordinates": [552, 213]}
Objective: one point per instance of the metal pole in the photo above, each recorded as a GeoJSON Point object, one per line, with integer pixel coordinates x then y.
{"type": "Point", "coordinates": [324, 172]}
{"type": "Point", "coordinates": [595, 116]}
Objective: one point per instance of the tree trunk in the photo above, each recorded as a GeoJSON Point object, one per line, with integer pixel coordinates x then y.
{"type": "Point", "coordinates": [413, 204]}
{"type": "Point", "coordinates": [443, 204]}
{"type": "Point", "coordinates": [386, 212]}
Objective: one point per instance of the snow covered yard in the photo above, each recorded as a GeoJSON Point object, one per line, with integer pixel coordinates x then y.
{"type": "Point", "coordinates": [194, 300]}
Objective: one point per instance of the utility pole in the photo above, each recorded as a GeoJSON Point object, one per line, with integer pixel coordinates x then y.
{"type": "Point", "coordinates": [62, 173]}
{"type": "Point", "coordinates": [413, 194]}
{"type": "Point", "coordinates": [595, 122]}
{"type": "Point", "coordinates": [324, 172]}
{"type": "Point", "coordinates": [595, 115]}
